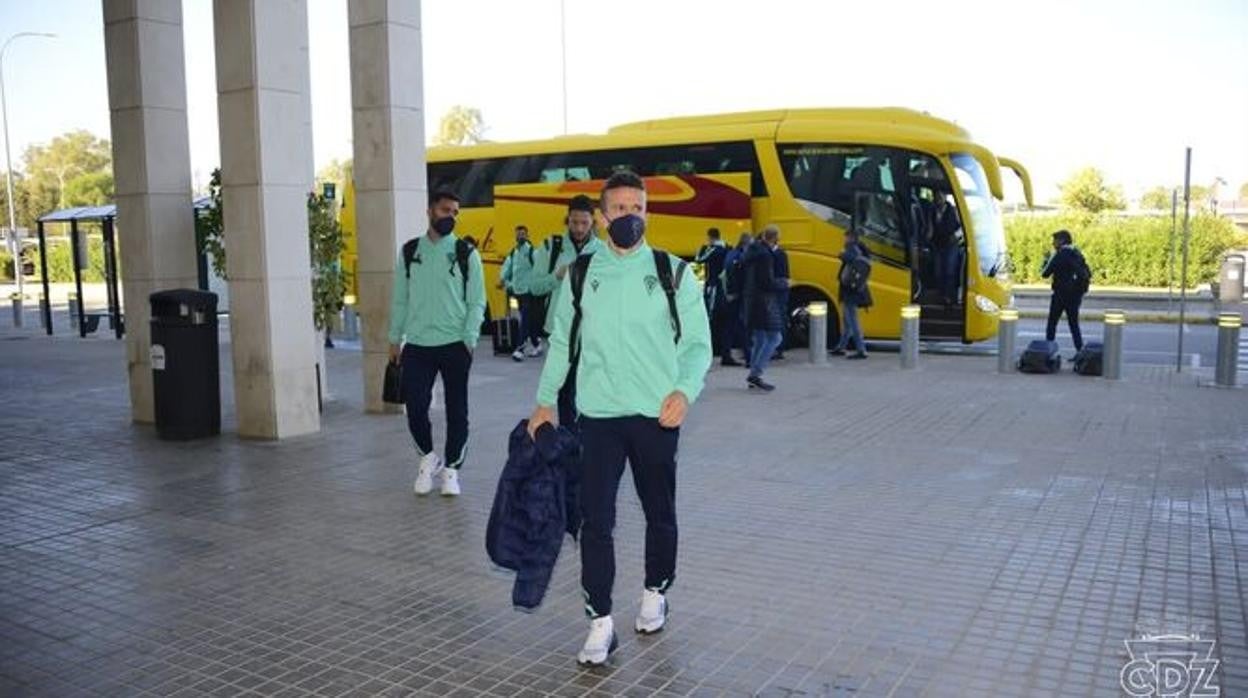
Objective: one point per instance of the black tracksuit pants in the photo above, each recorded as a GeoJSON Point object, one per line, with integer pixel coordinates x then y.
{"type": "Point", "coordinates": [651, 453]}
{"type": "Point", "coordinates": [421, 365]}
{"type": "Point", "coordinates": [1064, 303]}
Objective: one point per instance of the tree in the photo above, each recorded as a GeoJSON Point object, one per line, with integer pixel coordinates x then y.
{"type": "Point", "coordinates": [27, 210]}
{"type": "Point", "coordinates": [90, 189]}
{"type": "Point", "coordinates": [50, 168]}
{"type": "Point", "coordinates": [460, 126]}
{"type": "Point", "coordinates": [325, 244]}
{"type": "Point", "coordinates": [1156, 199]}
{"type": "Point", "coordinates": [1086, 190]}
{"type": "Point", "coordinates": [338, 171]}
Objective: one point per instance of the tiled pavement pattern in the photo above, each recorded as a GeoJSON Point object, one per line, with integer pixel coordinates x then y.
{"type": "Point", "coordinates": [860, 532]}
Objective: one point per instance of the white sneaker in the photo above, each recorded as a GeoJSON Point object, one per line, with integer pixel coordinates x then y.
{"type": "Point", "coordinates": [653, 613]}
{"type": "Point", "coordinates": [600, 643]}
{"type": "Point", "coordinates": [430, 464]}
{"type": "Point", "coordinates": [537, 349]}
{"type": "Point", "coordinates": [518, 354]}
{"type": "Point", "coordinates": [450, 482]}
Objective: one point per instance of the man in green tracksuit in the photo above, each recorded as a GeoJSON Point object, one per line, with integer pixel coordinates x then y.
{"type": "Point", "coordinates": [555, 256]}
{"type": "Point", "coordinates": [515, 278]}
{"type": "Point", "coordinates": [436, 310]}
{"type": "Point", "coordinates": [640, 347]}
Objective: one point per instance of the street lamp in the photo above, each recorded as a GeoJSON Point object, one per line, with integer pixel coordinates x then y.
{"type": "Point", "coordinates": [8, 165]}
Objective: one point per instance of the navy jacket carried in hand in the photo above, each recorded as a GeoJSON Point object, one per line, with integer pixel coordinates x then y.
{"type": "Point", "coordinates": [534, 505]}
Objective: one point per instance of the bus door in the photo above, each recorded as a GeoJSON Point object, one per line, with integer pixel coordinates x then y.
{"type": "Point", "coordinates": [936, 242]}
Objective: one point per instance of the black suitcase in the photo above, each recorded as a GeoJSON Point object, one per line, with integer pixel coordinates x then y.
{"type": "Point", "coordinates": [506, 335]}
{"type": "Point", "coordinates": [1041, 356]}
{"type": "Point", "coordinates": [1089, 359]}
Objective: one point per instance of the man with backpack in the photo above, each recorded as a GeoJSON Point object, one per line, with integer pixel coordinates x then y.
{"type": "Point", "coordinates": [436, 309]}
{"type": "Point", "coordinates": [712, 256]}
{"type": "Point", "coordinates": [630, 322]}
{"type": "Point", "coordinates": [517, 270]}
{"type": "Point", "coordinates": [854, 293]}
{"type": "Point", "coordinates": [552, 259]}
{"type": "Point", "coordinates": [732, 279]}
{"type": "Point", "coordinates": [551, 266]}
{"type": "Point", "coordinates": [1071, 277]}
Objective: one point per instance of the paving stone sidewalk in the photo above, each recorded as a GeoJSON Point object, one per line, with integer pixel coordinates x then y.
{"type": "Point", "coordinates": [862, 531]}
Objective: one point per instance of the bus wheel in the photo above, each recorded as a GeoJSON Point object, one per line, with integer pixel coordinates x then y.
{"type": "Point", "coordinates": [797, 334]}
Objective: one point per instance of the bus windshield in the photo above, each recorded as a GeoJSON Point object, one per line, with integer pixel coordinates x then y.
{"type": "Point", "coordinates": [986, 226]}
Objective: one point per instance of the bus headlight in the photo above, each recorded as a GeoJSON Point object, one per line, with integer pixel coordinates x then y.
{"type": "Point", "coordinates": [986, 305]}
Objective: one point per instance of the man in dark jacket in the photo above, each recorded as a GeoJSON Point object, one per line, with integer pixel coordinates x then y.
{"type": "Point", "coordinates": [738, 337]}
{"type": "Point", "coordinates": [1070, 274]}
{"type": "Point", "coordinates": [711, 256]}
{"type": "Point", "coordinates": [764, 313]}
{"type": "Point", "coordinates": [853, 293]}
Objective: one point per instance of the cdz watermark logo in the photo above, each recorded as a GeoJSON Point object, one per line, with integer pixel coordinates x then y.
{"type": "Point", "coordinates": [1170, 666]}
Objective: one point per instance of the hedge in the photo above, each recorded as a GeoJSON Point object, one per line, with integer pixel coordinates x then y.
{"type": "Point", "coordinates": [60, 265]}
{"type": "Point", "coordinates": [1123, 251]}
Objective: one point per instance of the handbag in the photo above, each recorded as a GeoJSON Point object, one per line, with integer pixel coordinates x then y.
{"type": "Point", "coordinates": [392, 387]}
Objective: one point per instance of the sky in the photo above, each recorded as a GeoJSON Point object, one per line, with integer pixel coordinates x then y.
{"type": "Point", "coordinates": [1123, 86]}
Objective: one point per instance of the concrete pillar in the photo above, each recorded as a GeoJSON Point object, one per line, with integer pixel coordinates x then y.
{"type": "Point", "coordinates": [152, 169]}
{"type": "Point", "coordinates": [387, 100]}
{"type": "Point", "coordinates": [264, 116]}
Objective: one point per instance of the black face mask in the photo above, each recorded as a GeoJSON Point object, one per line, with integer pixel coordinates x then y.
{"type": "Point", "coordinates": [443, 225]}
{"type": "Point", "coordinates": [627, 230]}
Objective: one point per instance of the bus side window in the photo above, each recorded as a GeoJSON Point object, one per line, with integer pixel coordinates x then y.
{"type": "Point", "coordinates": [477, 186]}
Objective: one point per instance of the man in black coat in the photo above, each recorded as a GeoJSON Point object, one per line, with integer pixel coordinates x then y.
{"type": "Point", "coordinates": [1071, 275]}
{"type": "Point", "coordinates": [764, 311]}
{"type": "Point", "coordinates": [712, 256]}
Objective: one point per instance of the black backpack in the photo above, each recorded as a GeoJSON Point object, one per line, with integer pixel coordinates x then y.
{"type": "Point", "coordinates": [463, 250]}
{"type": "Point", "coordinates": [669, 281]}
{"type": "Point", "coordinates": [854, 275]}
{"type": "Point", "coordinates": [1041, 356]}
{"type": "Point", "coordinates": [1090, 359]}
{"type": "Point", "coordinates": [1083, 273]}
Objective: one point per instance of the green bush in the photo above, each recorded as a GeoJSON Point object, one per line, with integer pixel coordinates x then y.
{"type": "Point", "coordinates": [1123, 251]}
{"type": "Point", "coordinates": [60, 262]}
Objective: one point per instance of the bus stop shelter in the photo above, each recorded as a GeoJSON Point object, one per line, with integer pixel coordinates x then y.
{"type": "Point", "coordinates": [106, 217]}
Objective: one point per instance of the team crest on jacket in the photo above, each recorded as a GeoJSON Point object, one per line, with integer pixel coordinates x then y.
{"type": "Point", "coordinates": [651, 282]}
{"type": "Point", "coordinates": [593, 284]}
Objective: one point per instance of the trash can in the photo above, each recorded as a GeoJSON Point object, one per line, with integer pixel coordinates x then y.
{"type": "Point", "coordinates": [186, 382]}
{"type": "Point", "coordinates": [1231, 280]}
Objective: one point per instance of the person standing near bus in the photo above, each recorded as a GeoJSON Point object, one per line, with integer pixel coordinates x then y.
{"type": "Point", "coordinates": [946, 250]}
{"type": "Point", "coordinates": [551, 266]}
{"type": "Point", "coordinates": [711, 256]}
{"type": "Point", "coordinates": [763, 310]}
{"type": "Point", "coordinates": [436, 309]}
{"type": "Point", "coordinates": [854, 293]}
{"type": "Point", "coordinates": [1071, 276]}
{"type": "Point", "coordinates": [732, 280]}
{"type": "Point", "coordinates": [639, 343]}
{"type": "Point", "coordinates": [517, 269]}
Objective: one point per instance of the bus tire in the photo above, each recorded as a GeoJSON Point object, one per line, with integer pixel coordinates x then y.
{"type": "Point", "coordinates": [797, 333]}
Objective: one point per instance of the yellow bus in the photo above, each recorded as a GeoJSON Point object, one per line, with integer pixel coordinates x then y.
{"type": "Point", "coordinates": [812, 172]}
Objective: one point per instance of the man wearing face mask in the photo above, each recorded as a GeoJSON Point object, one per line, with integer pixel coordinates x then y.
{"type": "Point", "coordinates": [436, 310]}
{"type": "Point", "coordinates": [631, 324]}
{"type": "Point", "coordinates": [514, 278]}
{"type": "Point", "coordinates": [550, 267]}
